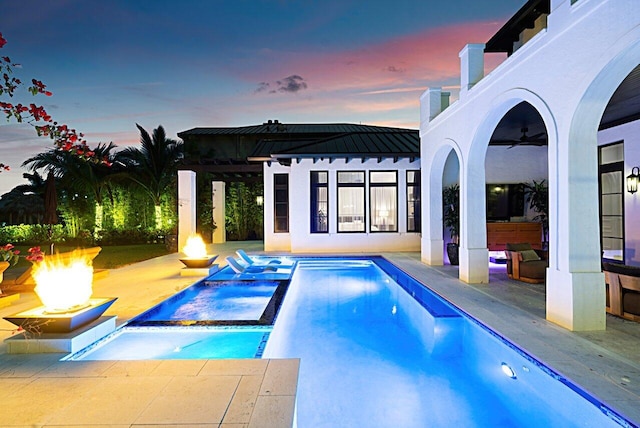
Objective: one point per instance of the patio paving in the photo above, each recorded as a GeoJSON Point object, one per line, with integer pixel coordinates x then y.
{"type": "Point", "coordinates": [38, 390]}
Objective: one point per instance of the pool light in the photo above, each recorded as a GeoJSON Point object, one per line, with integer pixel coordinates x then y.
{"type": "Point", "coordinates": [508, 371]}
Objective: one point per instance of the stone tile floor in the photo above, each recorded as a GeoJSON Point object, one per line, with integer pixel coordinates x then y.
{"type": "Point", "coordinates": [37, 390]}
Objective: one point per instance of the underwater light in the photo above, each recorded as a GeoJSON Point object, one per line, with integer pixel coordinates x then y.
{"type": "Point", "coordinates": [508, 371]}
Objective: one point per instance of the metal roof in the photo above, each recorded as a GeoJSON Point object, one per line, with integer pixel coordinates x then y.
{"type": "Point", "coordinates": [393, 142]}
{"type": "Point", "coordinates": [279, 128]}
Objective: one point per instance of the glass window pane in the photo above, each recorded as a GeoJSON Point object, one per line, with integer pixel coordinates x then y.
{"type": "Point", "coordinates": [412, 176]}
{"type": "Point", "coordinates": [611, 182]}
{"type": "Point", "coordinates": [612, 204]}
{"type": "Point", "coordinates": [350, 177]}
{"type": "Point", "coordinates": [319, 177]}
{"type": "Point", "coordinates": [612, 244]}
{"type": "Point", "coordinates": [383, 177]}
{"type": "Point", "coordinates": [383, 209]}
{"type": "Point", "coordinates": [351, 209]}
{"type": "Point", "coordinates": [611, 154]}
{"type": "Point", "coordinates": [612, 227]}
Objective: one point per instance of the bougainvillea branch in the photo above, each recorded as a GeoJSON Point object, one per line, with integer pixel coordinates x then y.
{"type": "Point", "coordinates": [64, 138]}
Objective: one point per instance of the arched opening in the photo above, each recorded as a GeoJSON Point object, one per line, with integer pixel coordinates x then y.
{"type": "Point", "coordinates": [516, 184]}
{"type": "Point", "coordinates": [443, 171]}
{"type": "Point", "coordinates": [619, 204]}
{"type": "Point", "coordinates": [618, 155]}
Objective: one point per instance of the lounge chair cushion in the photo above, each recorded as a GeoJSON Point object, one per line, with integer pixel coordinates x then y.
{"type": "Point", "coordinates": [631, 302]}
{"type": "Point", "coordinates": [528, 255]}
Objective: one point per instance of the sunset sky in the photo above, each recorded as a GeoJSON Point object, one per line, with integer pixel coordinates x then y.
{"type": "Point", "coordinates": [185, 64]}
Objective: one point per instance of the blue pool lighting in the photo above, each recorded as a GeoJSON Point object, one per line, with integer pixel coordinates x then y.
{"type": "Point", "coordinates": [508, 371]}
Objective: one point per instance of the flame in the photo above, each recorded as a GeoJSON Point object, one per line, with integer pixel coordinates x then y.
{"type": "Point", "coordinates": [63, 283]}
{"type": "Point", "coordinates": [195, 247]}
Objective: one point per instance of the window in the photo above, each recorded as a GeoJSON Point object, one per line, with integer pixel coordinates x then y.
{"type": "Point", "coordinates": [281, 203]}
{"type": "Point", "coordinates": [319, 201]}
{"type": "Point", "coordinates": [413, 201]}
{"type": "Point", "coordinates": [351, 201]}
{"type": "Point", "coordinates": [611, 185]}
{"type": "Point", "coordinates": [383, 188]}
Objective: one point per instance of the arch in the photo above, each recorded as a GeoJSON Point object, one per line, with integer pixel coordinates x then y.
{"type": "Point", "coordinates": [473, 197]}
{"type": "Point", "coordinates": [432, 236]}
{"type": "Point", "coordinates": [581, 174]}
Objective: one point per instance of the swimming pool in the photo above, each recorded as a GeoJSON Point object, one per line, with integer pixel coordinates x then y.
{"type": "Point", "coordinates": [372, 355]}
{"type": "Point", "coordinates": [379, 349]}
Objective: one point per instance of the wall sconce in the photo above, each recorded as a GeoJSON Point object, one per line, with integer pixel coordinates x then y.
{"type": "Point", "coordinates": [632, 180]}
{"type": "Point", "coordinates": [259, 200]}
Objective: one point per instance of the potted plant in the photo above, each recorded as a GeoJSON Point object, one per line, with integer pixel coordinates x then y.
{"type": "Point", "coordinates": [451, 219]}
{"type": "Point", "coordinates": [537, 194]}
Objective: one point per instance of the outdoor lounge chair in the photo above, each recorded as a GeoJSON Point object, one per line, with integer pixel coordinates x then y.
{"type": "Point", "coordinates": [241, 268]}
{"type": "Point", "coordinates": [251, 262]}
{"type": "Point", "coordinates": [525, 264]}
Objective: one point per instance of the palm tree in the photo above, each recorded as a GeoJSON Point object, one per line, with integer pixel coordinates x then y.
{"type": "Point", "coordinates": [83, 176]}
{"type": "Point", "coordinates": [25, 200]}
{"type": "Point", "coordinates": [153, 165]}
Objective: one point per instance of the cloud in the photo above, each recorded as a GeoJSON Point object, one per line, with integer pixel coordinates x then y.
{"type": "Point", "coordinates": [394, 69]}
{"type": "Point", "coordinates": [293, 84]}
{"type": "Point", "coordinates": [262, 87]}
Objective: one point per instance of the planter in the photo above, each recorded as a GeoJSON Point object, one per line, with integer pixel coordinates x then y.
{"type": "Point", "coordinates": [3, 266]}
{"type": "Point", "coordinates": [452, 252]}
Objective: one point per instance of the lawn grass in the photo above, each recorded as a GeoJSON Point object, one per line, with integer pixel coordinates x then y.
{"type": "Point", "coordinates": [111, 256]}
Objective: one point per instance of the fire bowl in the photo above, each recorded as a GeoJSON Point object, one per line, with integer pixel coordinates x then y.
{"type": "Point", "coordinates": [39, 320]}
{"type": "Point", "coordinates": [198, 262]}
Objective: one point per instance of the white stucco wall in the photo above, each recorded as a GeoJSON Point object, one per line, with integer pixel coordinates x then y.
{"type": "Point", "coordinates": [300, 240]}
{"type": "Point", "coordinates": [567, 72]}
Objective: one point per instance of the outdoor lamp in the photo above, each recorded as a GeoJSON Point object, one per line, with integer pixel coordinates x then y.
{"type": "Point", "coordinates": [632, 180]}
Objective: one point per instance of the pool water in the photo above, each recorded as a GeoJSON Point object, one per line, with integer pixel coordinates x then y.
{"type": "Point", "coordinates": [377, 349]}
{"type": "Point", "coordinates": [178, 343]}
{"type": "Point", "coordinates": [372, 356]}
{"type": "Point", "coordinates": [218, 303]}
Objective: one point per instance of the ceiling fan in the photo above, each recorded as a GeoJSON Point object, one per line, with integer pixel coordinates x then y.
{"type": "Point", "coordinates": [539, 139]}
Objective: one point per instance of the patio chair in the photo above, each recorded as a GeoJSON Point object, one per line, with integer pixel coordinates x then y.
{"type": "Point", "coordinates": [525, 264]}
{"type": "Point", "coordinates": [251, 261]}
{"type": "Point", "coordinates": [237, 267]}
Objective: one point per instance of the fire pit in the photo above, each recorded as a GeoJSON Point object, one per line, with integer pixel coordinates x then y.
{"type": "Point", "coordinates": [196, 252]}
{"type": "Point", "coordinates": [64, 286]}
{"type": "Point", "coordinates": [41, 320]}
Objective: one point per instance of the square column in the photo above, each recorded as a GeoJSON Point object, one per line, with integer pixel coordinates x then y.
{"type": "Point", "coordinates": [471, 66]}
{"type": "Point", "coordinates": [576, 300]}
{"type": "Point", "coordinates": [474, 265]}
{"type": "Point", "coordinates": [186, 206]}
{"type": "Point", "coordinates": [218, 189]}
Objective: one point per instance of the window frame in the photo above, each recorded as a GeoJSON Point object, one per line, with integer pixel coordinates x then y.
{"type": "Point", "coordinates": [314, 201]}
{"type": "Point", "coordinates": [276, 203]}
{"type": "Point", "coordinates": [415, 203]}
{"type": "Point", "coordinates": [617, 166]}
{"type": "Point", "coordinates": [363, 186]}
{"type": "Point", "coordinates": [376, 185]}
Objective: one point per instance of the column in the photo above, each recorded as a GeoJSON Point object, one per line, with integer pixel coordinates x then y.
{"type": "Point", "coordinates": [218, 204]}
{"type": "Point", "coordinates": [186, 206]}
